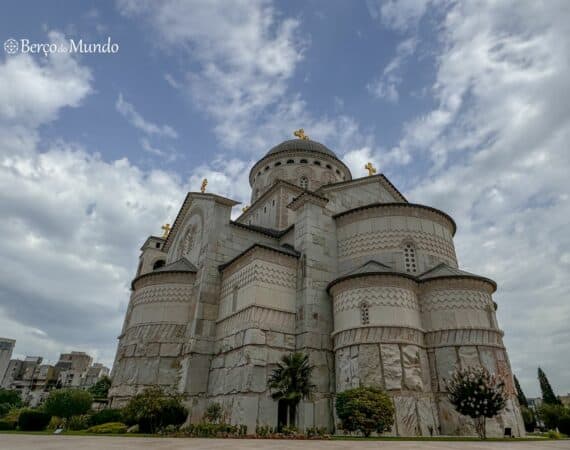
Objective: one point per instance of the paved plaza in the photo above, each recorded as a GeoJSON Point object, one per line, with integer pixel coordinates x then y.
{"type": "Point", "coordinates": [43, 442]}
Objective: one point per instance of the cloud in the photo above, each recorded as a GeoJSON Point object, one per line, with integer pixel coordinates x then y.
{"type": "Point", "coordinates": [495, 149]}
{"type": "Point", "coordinates": [71, 222]}
{"type": "Point", "coordinates": [241, 56]}
{"type": "Point", "coordinates": [128, 111]}
{"type": "Point", "coordinates": [386, 86]}
{"type": "Point", "coordinates": [400, 15]}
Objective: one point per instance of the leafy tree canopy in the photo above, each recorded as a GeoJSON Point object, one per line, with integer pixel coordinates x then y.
{"type": "Point", "coordinates": [68, 402]}
{"type": "Point", "coordinates": [365, 409]}
{"type": "Point", "coordinates": [476, 393]}
{"type": "Point", "coordinates": [101, 388]}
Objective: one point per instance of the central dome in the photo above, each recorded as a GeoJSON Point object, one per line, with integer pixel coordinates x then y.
{"type": "Point", "coordinates": [302, 144]}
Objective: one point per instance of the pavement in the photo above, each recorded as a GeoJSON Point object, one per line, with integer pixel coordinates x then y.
{"type": "Point", "coordinates": [51, 442]}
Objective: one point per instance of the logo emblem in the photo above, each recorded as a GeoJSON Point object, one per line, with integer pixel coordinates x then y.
{"type": "Point", "coordinates": [11, 46]}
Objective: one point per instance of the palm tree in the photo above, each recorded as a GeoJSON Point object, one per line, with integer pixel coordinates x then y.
{"type": "Point", "coordinates": [290, 382]}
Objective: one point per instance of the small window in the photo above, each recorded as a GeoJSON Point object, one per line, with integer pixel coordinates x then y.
{"type": "Point", "coordinates": [259, 173]}
{"type": "Point", "coordinates": [364, 313]}
{"type": "Point", "coordinates": [157, 265]}
{"type": "Point", "coordinates": [266, 168]}
{"type": "Point", "coordinates": [410, 258]}
{"type": "Point", "coordinates": [273, 202]}
{"type": "Point", "coordinates": [303, 161]}
{"type": "Point", "coordinates": [317, 163]}
{"type": "Point", "coordinates": [290, 161]}
{"type": "Point", "coordinates": [278, 163]}
{"type": "Point", "coordinates": [337, 172]}
{"type": "Point", "coordinates": [158, 245]}
{"type": "Point", "coordinates": [328, 166]}
{"type": "Point", "coordinates": [265, 209]}
{"type": "Point", "coordinates": [304, 182]}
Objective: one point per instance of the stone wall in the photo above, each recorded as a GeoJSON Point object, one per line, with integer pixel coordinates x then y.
{"type": "Point", "coordinates": [380, 233]}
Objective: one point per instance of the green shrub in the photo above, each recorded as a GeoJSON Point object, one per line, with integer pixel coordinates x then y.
{"type": "Point", "coordinates": [33, 420]}
{"type": "Point", "coordinates": [213, 413]}
{"type": "Point", "coordinates": [80, 422]}
{"type": "Point", "coordinates": [553, 435]}
{"type": "Point", "coordinates": [153, 410]}
{"type": "Point", "coordinates": [68, 402]}
{"type": "Point", "coordinates": [106, 416]}
{"type": "Point", "coordinates": [564, 423]}
{"type": "Point", "coordinates": [528, 419]}
{"type": "Point", "coordinates": [290, 430]}
{"type": "Point", "coordinates": [108, 428]}
{"type": "Point", "coordinates": [101, 388]}
{"type": "Point", "coordinates": [206, 429]}
{"type": "Point", "coordinates": [365, 409]}
{"type": "Point", "coordinates": [9, 399]}
{"type": "Point", "coordinates": [55, 422]}
{"type": "Point", "coordinates": [6, 425]}
{"type": "Point", "coordinates": [316, 431]}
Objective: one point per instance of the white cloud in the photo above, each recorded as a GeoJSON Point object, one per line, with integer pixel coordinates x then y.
{"type": "Point", "coordinates": [242, 56]}
{"type": "Point", "coordinates": [496, 149]}
{"type": "Point", "coordinates": [129, 112]}
{"type": "Point", "coordinates": [386, 86]}
{"type": "Point", "coordinates": [398, 14]}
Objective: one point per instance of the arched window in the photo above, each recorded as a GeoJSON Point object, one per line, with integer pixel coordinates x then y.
{"type": "Point", "coordinates": [290, 161]}
{"type": "Point", "coordinates": [317, 163]}
{"type": "Point", "coordinates": [304, 182]}
{"type": "Point", "coordinates": [329, 166]}
{"type": "Point", "coordinates": [157, 265]}
{"type": "Point", "coordinates": [303, 161]}
{"type": "Point", "coordinates": [364, 314]}
{"type": "Point", "coordinates": [410, 258]}
{"type": "Point", "coordinates": [278, 163]}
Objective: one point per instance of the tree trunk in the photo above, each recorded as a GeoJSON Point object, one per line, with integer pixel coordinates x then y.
{"type": "Point", "coordinates": [292, 411]}
{"type": "Point", "coordinates": [480, 427]}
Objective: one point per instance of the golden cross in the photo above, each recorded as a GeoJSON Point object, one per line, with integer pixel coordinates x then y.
{"type": "Point", "coordinates": [204, 184]}
{"type": "Point", "coordinates": [371, 169]}
{"type": "Point", "coordinates": [300, 133]}
{"type": "Point", "coordinates": [245, 208]}
{"type": "Point", "coordinates": [166, 228]}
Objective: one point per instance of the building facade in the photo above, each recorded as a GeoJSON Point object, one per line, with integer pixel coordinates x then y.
{"type": "Point", "coordinates": [6, 349]}
{"type": "Point", "coordinates": [345, 270]}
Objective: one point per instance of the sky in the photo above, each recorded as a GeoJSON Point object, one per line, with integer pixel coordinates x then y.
{"type": "Point", "coordinates": [465, 106]}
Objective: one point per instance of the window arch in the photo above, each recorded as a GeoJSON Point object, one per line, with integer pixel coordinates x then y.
{"type": "Point", "coordinates": [317, 163]}
{"type": "Point", "coordinates": [364, 313]}
{"type": "Point", "coordinates": [304, 182]}
{"type": "Point", "coordinates": [158, 264]}
{"type": "Point", "coordinates": [290, 161]}
{"type": "Point", "coordinates": [410, 262]}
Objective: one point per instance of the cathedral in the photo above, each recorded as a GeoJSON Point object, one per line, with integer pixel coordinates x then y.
{"type": "Point", "coordinates": [343, 269]}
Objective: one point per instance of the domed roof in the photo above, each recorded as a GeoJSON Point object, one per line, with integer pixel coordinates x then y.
{"type": "Point", "coordinates": [302, 144]}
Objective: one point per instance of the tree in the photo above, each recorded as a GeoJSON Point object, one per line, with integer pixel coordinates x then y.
{"type": "Point", "coordinates": [154, 409]}
{"type": "Point", "coordinates": [101, 388]}
{"type": "Point", "coordinates": [528, 419]}
{"type": "Point", "coordinates": [476, 393]}
{"type": "Point", "coordinates": [290, 382]}
{"type": "Point", "coordinates": [365, 409]}
{"type": "Point", "coordinates": [548, 396]}
{"type": "Point", "coordinates": [213, 413]}
{"type": "Point", "coordinates": [68, 402]}
{"type": "Point", "coordinates": [9, 398]}
{"type": "Point", "coordinates": [520, 394]}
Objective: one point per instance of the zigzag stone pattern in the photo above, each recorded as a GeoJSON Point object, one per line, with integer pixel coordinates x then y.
{"type": "Point", "coordinates": [366, 243]}
{"type": "Point", "coordinates": [162, 293]}
{"type": "Point", "coordinates": [375, 335]}
{"type": "Point", "coordinates": [265, 272]}
{"type": "Point", "coordinates": [155, 332]}
{"type": "Point", "coordinates": [455, 299]}
{"type": "Point", "coordinates": [376, 296]}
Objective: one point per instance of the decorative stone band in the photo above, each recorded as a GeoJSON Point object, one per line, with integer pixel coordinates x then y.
{"type": "Point", "coordinates": [256, 317]}
{"type": "Point", "coordinates": [396, 209]}
{"type": "Point", "coordinates": [375, 296]}
{"type": "Point", "coordinates": [378, 335]}
{"type": "Point", "coordinates": [366, 243]}
{"type": "Point", "coordinates": [162, 293]}
{"type": "Point", "coordinates": [154, 332]}
{"type": "Point", "coordinates": [456, 299]}
{"type": "Point", "coordinates": [464, 336]}
{"type": "Point", "coordinates": [154, 278]}
{"type": "Point", "coordinates": [261, 271]}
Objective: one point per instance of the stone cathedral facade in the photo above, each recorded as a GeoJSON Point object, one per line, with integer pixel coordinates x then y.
{"type": "Point", "coordinates": [344, 269]}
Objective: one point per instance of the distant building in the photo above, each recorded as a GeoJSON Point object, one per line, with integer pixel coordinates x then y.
{"type": "Point", "coordinates": [565, 399]}
{"type": "Point", "coordinates": [35, 380]}
{"type": "Point", "coordinates": [6, 349]}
